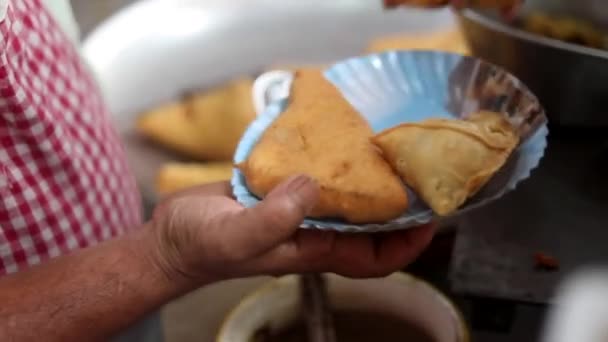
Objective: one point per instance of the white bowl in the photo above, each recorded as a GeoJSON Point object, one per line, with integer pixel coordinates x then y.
{"type": "Point", "coordinates": [580, 312]}
{"type": "Point", "coordinates": [277, 304]}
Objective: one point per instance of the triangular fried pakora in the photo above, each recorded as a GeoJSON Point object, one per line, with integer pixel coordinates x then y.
{"type": "Point", "coordinates": [320, 134]}
{"type": "Point", "coordinates": [446, 161]}
{"type": "Point", "coordinates": [206, 125]}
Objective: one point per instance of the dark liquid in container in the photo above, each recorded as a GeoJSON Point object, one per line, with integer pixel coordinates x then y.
{"type": "Point", "coordinates": [353, 326]}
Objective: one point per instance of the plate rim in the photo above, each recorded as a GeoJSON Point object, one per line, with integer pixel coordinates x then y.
{"type": "Point", "coordinates": [540, 134]}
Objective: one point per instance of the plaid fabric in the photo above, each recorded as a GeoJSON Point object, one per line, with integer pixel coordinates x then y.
{"type": "Point", "coordinates": [64, 180]}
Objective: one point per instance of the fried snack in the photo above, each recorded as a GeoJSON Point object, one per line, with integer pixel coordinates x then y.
{"type": "Point", "coordinates": [566, 29]}
{"type": "Point", "coordinates": [418, 3]}
{"type": "Point", "coordinates": [204, 126]}
{"type": "Point", "coordinates": [451, 40]}
{"type": "Point", "coordinates": [446, 161]}
{"type": "Point", "coordinates": [173, 177]}
{"type": "Point", "coordinates": [499, 4]}
{"type": "Point", "coordinates": [320, 134]}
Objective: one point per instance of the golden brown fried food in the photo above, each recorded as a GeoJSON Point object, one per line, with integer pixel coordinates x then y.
{"type": "Point", "coordinates": [499, 4]}
{"type": "Point", "coordinates": [173, 177]}
{"type": "Point", "coordinates": [204, 126]}
{"type": "Point", "coordinates": [451, 40]}
{"type": "Point", "coordinates": [166, 122]}
{"type": "Point", "coordinates": [320, 134]}
{"type": "Point", "coordinates": [446, 161]}
{"type": "Point", "coordinates": [420, 3]}
{"type": "Point", "coordinates": [566, 29]}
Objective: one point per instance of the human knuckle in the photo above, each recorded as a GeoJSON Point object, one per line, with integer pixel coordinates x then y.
{"type": "Point", "coordinates": [275, 219]}
{"type": "Point", "coordinates": [172, 220]}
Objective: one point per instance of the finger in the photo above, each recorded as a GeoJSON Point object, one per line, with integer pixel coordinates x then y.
{"type": "Point", "coordinates": [380, 254]}
{"type": "Point", "coordinates": [312, 244]}
{"type": "Point", "coordinates": [308, 251]}
{"type": "Point", "coordinates": [351, 255]}
{"type": "Point", "coordinates": [276, 218]}
{"type": "Point", "coordinates": [396, 250]}
{"type": "Point", "coordinates": [317, 251]}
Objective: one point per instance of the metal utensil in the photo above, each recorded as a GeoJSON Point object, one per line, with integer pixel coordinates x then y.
{"type": "Point", "coordinates": [570, 80]}
{"type": "Point", "coordinates": [316, 309]}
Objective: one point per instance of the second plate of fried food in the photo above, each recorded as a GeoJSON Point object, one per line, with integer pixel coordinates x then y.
{"type": "Point", "coordinates": [394, 139]}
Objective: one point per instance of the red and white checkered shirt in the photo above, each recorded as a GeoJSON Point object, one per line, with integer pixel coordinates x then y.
{"type": "Point", "coordinates": [64, 180]}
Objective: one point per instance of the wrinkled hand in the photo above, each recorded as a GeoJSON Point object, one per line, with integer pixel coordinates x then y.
{"type": "Point", "coordinates": [203, 233]}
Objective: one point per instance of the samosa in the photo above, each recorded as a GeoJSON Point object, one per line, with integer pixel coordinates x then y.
{"type": "Point", "coordinates": [173, 177]}
{"type": "Point", "coordinates": [320, 134]}
{"type": "Point", "coordinates": [446, 161]}
{"type": "Point", "coordinates": [205, 125]}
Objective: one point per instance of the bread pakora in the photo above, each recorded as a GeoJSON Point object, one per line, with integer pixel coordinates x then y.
{"type": "Point", "coordinates": [173, 177]}
{"type": "Point", "coordinates": [446, 161]}
{"type": "Point", "coordinates": [205, 125]}
{"type": "Point", "coordinates": [320, 134]}
{"type": "Point", "coordinates": [451, 40]}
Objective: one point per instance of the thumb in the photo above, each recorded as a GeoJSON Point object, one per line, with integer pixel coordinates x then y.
{"type": "Point", "coordinates": [276, 218]}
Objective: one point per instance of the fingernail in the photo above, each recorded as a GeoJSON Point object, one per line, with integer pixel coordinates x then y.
{"type": "Point", "coordinates": [304, 191]}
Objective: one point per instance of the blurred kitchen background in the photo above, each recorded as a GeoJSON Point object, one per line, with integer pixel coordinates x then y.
{"type": "Point", "coordinates": [90, 13]}
{"type": "Point", "coordinates": [489, 260]}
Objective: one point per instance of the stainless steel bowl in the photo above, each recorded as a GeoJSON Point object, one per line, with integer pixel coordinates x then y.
{"type": "Point", "coordinates": [570, 80]}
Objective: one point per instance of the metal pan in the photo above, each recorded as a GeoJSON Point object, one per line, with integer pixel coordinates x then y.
{"type": "Point", "coordinates": [570, 80]}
